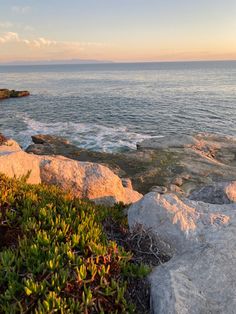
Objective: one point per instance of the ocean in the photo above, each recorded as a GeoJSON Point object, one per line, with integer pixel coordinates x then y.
{"type": "Point", "coordinates": [111, 107]}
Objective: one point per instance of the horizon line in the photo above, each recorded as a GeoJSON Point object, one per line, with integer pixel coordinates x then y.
{"type": "Point", "coordinates": [103, 62]}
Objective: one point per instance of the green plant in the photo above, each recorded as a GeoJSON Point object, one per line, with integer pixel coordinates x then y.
{"type": "Point", "coordinates": [60, 259]}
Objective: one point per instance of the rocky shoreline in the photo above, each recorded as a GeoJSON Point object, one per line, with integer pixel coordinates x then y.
{"type": "Point", "coordinates": [179, 163]}
{"type": "Point", "coordinates": [189, 205]}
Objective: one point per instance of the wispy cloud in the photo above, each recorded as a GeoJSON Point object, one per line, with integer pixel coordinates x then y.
{"type": "Point", "coordinates": [41, 42]}
{"type": "Point", "coordinates": [34, 43]}
{"type": "Point", "coordinates": [20, 9]}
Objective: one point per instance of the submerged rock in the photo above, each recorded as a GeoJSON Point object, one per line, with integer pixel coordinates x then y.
{"type": "Point", "coordinates": [6, 93]}
{"type": "Point", "coordinates": [201, 276]}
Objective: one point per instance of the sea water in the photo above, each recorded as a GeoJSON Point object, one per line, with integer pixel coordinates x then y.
{"type": "Point", "coordinates": [111, 107]}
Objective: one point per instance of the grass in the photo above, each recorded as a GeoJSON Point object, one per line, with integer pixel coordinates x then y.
{"type": "Point", "coordinates": [55, 256]}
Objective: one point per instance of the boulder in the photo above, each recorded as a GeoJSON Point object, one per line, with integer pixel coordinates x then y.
{"type": "Point", "coordinates": [18, 164]}
{"type": "Point", "coordinates": [82, 179]}
{"type": "Point", "coordinates": [86, 180]}
{"type": "Point", "coordinates": [200, 277]}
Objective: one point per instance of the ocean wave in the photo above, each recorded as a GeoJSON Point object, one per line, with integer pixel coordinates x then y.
{"type": "Point", "coordinates": [86, 135]}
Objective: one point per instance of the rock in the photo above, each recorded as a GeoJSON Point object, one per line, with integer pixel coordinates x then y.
{"type": "Point", "coordinates": [175, 189]}
{"type": "Point", "coordinates": [49, 139]}
{"type": "Point", "coordinates": [14, 93]}
{"type": "Point", "coordinates": [18, 164]}
{"type": "Point", "coordinates": [159, 189]}
{"type": "Point", "coordinates": [219, 193]}
{"type": "Point", "coordinates": [8, 145]}
{"type": "Point", "coordinates": [200, 277]}
{"type": "Point", "coordinates": [82, 179]}
{"type": "Point", "coordinates": [168, 142]}
{"type": "Point", "coordinates": [6, 93]}
{"type": "Point", "coordinates": [178, 181]}
{"type": "Point", "coordinates": [3, 139]}
{"type": "Point", "coordinates": [189, 162]}
{"type": "Point", "coordinates": [127, 183]}
{"type": "Point", "coordinates": [87, 180]}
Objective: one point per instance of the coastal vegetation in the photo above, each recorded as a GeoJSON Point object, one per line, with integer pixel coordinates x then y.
{"type": "Point", "coordinates": [55, 255]}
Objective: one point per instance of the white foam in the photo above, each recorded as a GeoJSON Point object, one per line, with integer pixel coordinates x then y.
{"type": "Point", "coordinates": [87, 135]}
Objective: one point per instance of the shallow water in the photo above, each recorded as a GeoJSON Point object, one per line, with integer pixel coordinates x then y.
{"type": "Point", "coordinates": [111, 107]}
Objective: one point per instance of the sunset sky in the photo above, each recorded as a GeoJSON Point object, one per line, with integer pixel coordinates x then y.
{"type": "Point", "coordinates": [117, 30]}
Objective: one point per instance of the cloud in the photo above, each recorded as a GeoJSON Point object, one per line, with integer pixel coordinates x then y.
{"type": "Point", "coordinates": [20, 9]}
{"type": "Point", "coordinates": [13, 46]}
{"type": "Point", "coordinates": [41, 42]}
{"type": "Point", "coordinates": [6, 24]}
{"type": "Point", "coordinates": [9, 37]}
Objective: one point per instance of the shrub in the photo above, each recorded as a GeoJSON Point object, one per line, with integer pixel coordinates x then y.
{"type": "Point", "coordinates": [54, 256]}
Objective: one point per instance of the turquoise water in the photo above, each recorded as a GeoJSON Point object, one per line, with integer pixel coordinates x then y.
{"type": "Point", "coordinates": [111, 107]}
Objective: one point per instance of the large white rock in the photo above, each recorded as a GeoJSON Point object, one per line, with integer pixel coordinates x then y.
{"type": "Point", "coordinates": [201, 276]}
{"type": "Point", "coordinates": [86, 180]}
{"type": "Point", "coordinates": [82, 179]}
{"type": "Point", "coordinates": [18, 164]}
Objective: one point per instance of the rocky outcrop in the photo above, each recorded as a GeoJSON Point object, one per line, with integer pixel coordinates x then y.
{"type": "Point", "coordinates": [81, 179]}
{"type": "Point", "coordinates": [6, 93]}
{"type": "Point", "coordinates": [180, 163]}
{"type": "Point", "coordinates": [201, 276]}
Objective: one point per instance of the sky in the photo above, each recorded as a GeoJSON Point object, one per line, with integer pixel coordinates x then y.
{"type": "Point", "coordinates": [117, 30]}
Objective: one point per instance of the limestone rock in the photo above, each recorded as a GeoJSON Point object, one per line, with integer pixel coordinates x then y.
{"type": "Point", "coordinates": [200, 277]}
{"type": "Point", "coordinates": [82, 179]}
{"type": "Point", "coordinates": [18, 164]}
{"type": "Point", "coordinates": [9, 145]}
{"type": "Point", "coordinates": [86, 180]}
